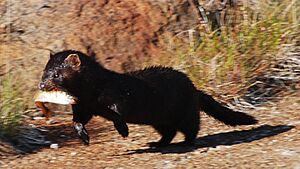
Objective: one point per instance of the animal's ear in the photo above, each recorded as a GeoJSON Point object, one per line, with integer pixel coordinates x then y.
{"type": "Point", "coordinates": [74, 61]}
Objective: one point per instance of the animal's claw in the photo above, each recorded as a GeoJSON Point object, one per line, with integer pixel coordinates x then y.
{"type": "Point", "coordinates": [82, 133]}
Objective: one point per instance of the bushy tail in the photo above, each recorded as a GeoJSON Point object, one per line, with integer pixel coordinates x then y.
{"type": "Point", "coordinates": [223, 114]}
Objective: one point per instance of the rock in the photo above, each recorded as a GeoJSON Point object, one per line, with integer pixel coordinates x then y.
{"type": "Point", "coordinates": [38, 118]}
{"type": "Point", "coordinates": [73, 153]}
{"type": "Point", "coordinates": [54, 146]}
{"type": "Point", "coordinates": [51, 121]}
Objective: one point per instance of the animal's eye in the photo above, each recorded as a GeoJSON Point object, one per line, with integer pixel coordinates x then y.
{"type": "Point", "coordinates": [56, 75]}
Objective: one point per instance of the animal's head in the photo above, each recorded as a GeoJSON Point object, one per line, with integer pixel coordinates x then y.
{"type": "Point", "coordinates": [61, 70]}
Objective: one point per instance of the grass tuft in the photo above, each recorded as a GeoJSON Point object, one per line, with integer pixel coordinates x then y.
{"type": "Point", "coordinates": [11, 106]}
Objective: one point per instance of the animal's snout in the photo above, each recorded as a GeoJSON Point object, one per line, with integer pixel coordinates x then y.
{"type": "Point", "coordinates": [47, 85]}
{"type": "Point", "coordinates": [42, 86]}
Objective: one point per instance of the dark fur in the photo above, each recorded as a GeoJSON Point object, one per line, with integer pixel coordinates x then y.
{"type": "Point", "coordinates": [161, 97]}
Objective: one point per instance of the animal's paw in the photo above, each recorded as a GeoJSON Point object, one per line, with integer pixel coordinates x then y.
{"type": "Point", "coordinates": [122, 128]}
{"type": "Point", "coordinates": [84, 137]}
{"type": "Point", "coordinates": [82, 133]}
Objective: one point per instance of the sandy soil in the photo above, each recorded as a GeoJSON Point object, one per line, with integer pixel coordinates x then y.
{"type": "Point", "coordinates": [273, 143]}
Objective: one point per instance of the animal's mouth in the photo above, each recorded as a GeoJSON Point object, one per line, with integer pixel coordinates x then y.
{"type": "Point", "coordinates": [51, 88]}
{"type": "Point", "coordinates": [55, 89]}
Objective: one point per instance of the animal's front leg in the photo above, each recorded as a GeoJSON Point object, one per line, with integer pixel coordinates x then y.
{"type": "Point", "coordinates": [82, 132]}
{"type": "Point", "coordinates": [80, 119]}
{"type": "Point", "coordinates": [121, 127]}
{"type": "Point", "coordinates": [112, 113]}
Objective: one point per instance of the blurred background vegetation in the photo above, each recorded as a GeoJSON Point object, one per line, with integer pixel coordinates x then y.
{"type": "Point", "coordinates": [246, 44]}
{"type": "Point", "coordinates": [219, 60]}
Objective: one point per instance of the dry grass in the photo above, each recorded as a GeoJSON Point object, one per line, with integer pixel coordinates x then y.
{"type": "Point", "coordinates": [228, 59]}
{"type": "Point", "coordinates": [11, 106]}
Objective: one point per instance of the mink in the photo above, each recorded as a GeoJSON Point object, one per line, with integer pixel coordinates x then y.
{"type": "Point", "coordinates": [161, 97]}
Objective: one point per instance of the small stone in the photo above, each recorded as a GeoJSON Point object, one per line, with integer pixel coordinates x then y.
{"type": "Point", "coordinates": [38, 118]}
{"type": "Point", "coordinates": [55, 146]}
{"type": "Point", "coordinates": [287, 152]}
{"type": "Point", "coordinates": [73, 153]}
{"type": "Point", "coordinates": [51, 121]}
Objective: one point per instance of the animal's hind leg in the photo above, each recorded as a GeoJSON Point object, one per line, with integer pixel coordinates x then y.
{"type": "Point", "coordinates": [190, 127]}
{"type": "Point", "coordinates": [167, 133]}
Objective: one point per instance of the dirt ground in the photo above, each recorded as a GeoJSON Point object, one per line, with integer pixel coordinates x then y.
{"type": "Point", "coordinates": [121, 32]}
{"type": "Point", "coordinates": [273, 143]}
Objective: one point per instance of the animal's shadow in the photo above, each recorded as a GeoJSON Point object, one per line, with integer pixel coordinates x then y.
{"type": "Point", "coordinates": [33, 139]}
{"type": "Point", "coordinates": [229, 138]}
